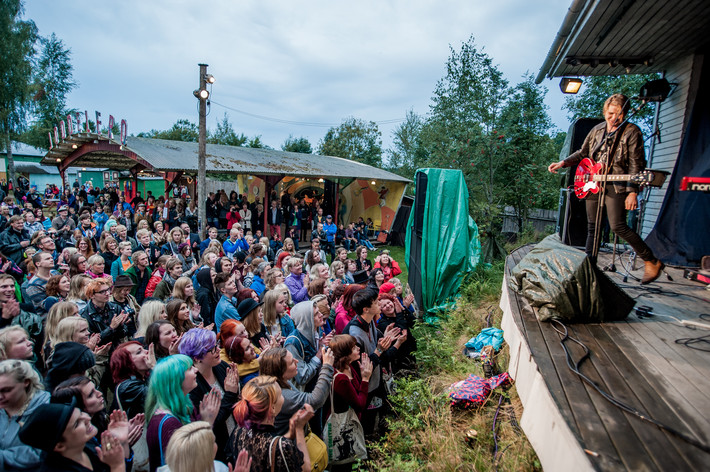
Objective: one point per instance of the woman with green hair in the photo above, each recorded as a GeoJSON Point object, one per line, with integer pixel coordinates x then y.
{"type": "Point", "coordinates": [168, 406]}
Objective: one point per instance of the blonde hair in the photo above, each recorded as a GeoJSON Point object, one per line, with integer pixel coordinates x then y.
{"type": "Point", "coordinates": [270, 277]}
{"type": "Point", "coordinates": [95, 259]}
{"type": "Point", "coordinates": [123, 245]}
{"type": "Point", "coordinates": [5, 338]}
{"type": "Point", "coordinates": [179, 291]}
{"type": "Point", "coordinates": [150, 313]}
{"type": "Point", "coordinates": [21, 371]}
{"type": "Point", "coordinates": [315, 270]}
{"type": "Point", "coordinates": [76, 288]}
{"type": "Point", "coordinates": [282, 287]}
{"type": "Point", "coordinates": [68, 327]}
{"type": "Point", "coordinates": [334, 268]}
{"type": "Point", "coordinates": [268, 308]}
{"type": "Point", "coordinates": [191, 448]}
{"type": "Point", "coordinates": [57, 313]}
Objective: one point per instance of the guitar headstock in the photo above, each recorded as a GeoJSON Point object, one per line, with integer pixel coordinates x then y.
{"type": "Point", "coordinates": [643, 178]}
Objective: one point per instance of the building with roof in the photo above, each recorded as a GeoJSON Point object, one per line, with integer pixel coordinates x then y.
{"type": "Point", "coordinates": [351, 189]}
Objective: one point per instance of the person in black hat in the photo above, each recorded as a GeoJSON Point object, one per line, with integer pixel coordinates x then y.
{"type": "Point", "coordinates": [121, 296]}
{"type": "Point", "coordinates": [69, 360]}
{"type": "Point", "coordinates": [62, 431]}
{"type": "Point", "coordinates": [63, 223]}
{"type": "Point", "coordinates": [253, 320]}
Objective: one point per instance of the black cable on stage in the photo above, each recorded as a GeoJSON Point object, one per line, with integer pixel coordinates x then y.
{"type": "Point", "coordinates": [702, 341]}
{"type": "Point", "coordinates": [575, 366]}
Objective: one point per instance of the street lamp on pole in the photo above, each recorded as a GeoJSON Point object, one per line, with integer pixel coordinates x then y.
{"type": "Point", "coordinates": [202, 94]}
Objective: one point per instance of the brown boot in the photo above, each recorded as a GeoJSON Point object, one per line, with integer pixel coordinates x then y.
{"type": "Point", "coordinates": [652, 271]}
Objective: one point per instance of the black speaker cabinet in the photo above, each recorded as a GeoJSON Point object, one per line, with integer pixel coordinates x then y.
{"type": "Point", "coordinates": [415, 247]}
{"type": "Point", "coordinates": [572, 219]}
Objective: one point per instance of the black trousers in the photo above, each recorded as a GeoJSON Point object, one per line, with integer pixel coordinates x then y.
{"type": "Point", "coordinates": [614, 205]}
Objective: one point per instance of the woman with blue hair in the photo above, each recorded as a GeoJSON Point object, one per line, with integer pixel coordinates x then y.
{"type": "Point", "coordinates": [201, 345]}
{"type": "Point", "coordinates": [168, 406]}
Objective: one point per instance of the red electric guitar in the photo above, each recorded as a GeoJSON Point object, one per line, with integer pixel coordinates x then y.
{"type": "Point", "coordinates": [590, 173]}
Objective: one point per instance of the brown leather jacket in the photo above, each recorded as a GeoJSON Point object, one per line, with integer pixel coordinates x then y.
{"type": "Point", "coordinates": [629, 155]}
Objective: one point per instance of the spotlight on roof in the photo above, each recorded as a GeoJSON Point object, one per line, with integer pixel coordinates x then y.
{"type": "Point", "coordinates": [570, 85]}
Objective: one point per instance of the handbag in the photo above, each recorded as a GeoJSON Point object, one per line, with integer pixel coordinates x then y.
{"type": "Point", "coordinates": [141, 456]}
{"type": "Point", "coordinates": [317, 452]}
{"type": "Point", "coordinates": [345, 434]}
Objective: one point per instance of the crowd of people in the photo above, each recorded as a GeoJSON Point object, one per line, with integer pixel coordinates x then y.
{"type": "Point", "coordinates": [129, 343]}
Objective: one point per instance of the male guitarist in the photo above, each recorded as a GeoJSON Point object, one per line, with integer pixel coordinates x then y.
{"type": "Point", "coordinates": [626, 149]}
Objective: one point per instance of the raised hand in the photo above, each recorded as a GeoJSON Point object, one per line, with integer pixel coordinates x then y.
{"type": "Point", "coordinates": [136, 428]}
{"type": "Point", "coordinates": [384, 343]}
{"type": "Point", "coordinates": [243, 463]}
{"type": "Point", "coordinates": [151, 356]}
{"type": "Point", "coordinates": [93, 342]}
{"type": "Point", "coordinates": [102, 350]}
{"type": "Point", "coordinates": [328, 356]}
{"type": "Point", "coordinates": [111, 452]}
{"type": "Point", "coordinates": [209, 406]}
{"type": "Point", "coordinates": [365, 367]}
{"type": "Point", "coordinates": [231, 381]}
{"type": "Point", "coordinates": [10, 309]}
{"type": "Point", "coordinates": [175, 346]}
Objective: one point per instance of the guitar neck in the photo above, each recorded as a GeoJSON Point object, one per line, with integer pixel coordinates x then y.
{"type": "Point", "coordinates": [612, 177]}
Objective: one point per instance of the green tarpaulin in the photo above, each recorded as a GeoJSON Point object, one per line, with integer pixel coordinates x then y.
{"type": "Point", "coordinates": [450, 244]}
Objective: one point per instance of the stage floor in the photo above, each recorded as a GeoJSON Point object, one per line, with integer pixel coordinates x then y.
{"type": "Point", "coordinates": [642, 362]}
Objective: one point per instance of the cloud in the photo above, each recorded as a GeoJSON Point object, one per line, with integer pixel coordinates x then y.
{"type": "Point", "coordinates": [312, 61]}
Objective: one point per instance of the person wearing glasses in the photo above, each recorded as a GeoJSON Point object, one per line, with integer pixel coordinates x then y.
{"type": "Point", "coordinates": [203, 347]}
{"type": "Point", "coordinates": [104, 317]}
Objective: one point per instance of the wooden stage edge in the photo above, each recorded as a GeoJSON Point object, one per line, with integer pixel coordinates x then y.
{"type": "Point", "coordinates": [543, 424]}
{"type": "Point", "coordinates": [643, 362]}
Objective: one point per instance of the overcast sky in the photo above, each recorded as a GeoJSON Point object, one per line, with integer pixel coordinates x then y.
{"type": "Point", "coordinates": [302, 61]}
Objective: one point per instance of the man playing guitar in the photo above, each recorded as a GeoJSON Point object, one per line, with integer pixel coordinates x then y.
{"type": "Point", "coordinates": [627, 157]}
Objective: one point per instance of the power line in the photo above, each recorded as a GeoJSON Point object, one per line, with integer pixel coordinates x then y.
{"type": "Point", "coordinates": [298, 123]}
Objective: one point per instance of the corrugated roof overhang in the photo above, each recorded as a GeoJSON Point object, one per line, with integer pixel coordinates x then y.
{"type": "Point", "coordinates": [165, 156]}
{"type": "Point", "coordinates": [602, 37]}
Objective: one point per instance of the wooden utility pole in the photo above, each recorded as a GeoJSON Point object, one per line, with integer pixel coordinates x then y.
{"type": "Point", "coordinates": [202, 95]}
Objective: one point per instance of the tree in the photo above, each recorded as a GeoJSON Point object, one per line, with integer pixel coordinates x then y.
{"type": "Point", "coordinates": [182, 130]}
{"type": "Point", "coordinates": [527, 150]}
{"type": "Point", "coordinates": [354, 139]}
{"type": "Point", "coordinates": [460, 130]}
{"type": "Point", "coordinates": [225, 134]}
{"type": "Point", "coordinates": [256, 142]}
{"type": "Point", "coordinates": [52, 83]}
{"type": "Point", "coordinates": [590, 102]}
{"type": "Point", "coordinates": [403, 156]}
{"type": "Point", "coordinates": [301, 145]}
{"type": "Point", "coordinates": [17, 40]}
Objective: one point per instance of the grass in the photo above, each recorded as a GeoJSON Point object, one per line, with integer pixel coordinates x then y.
{"type": "Point", "coordinates": [425, 432]}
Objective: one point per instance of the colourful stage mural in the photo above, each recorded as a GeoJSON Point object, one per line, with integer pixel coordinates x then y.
{"type": "Point", "coordinates": [378, 201]}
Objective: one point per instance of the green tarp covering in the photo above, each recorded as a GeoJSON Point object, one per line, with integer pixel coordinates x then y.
{"type": "Point", "coordinates": [450, 244]}
{"type": "Point", "coordinates": [563, 284]}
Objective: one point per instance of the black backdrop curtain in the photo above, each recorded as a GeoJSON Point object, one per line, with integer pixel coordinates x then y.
{"type": "Point", "coordinates": [681, 235]}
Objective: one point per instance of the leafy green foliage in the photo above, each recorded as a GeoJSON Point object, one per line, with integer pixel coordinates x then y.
{"type": "Point", "coordinates": [17, 43]}
{"type": "Point", "coordinates": [589, 103]}
{"type": "Point", "coordinates": [182, 130]}
{"type": "Point", "coordinates": [426, 433]}
{"type": "Point", "coordinates": [225, 134]}
{"type": "Point", "coordinates": [498, 136]}
{"type": "Point", "coordinates": [403, 156]}
{"type": "Point", "coordinates": [301, 145]}
{"type": "Point", "coordinates": [52, 83]}
{"type": "Point", "coordinates": [256, 142]}
{"type": "Point", "coordinates": [354, 139]}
